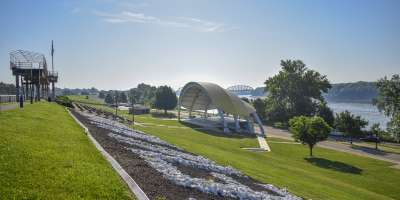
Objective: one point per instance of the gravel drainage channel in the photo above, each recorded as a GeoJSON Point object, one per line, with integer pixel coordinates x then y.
{"type": "Point", "coordinates": [163, 170]}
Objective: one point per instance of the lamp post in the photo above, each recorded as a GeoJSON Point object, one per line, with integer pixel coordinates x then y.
{"type": "Point", "coordinates": [116, 103]}
{"type": "Point", "coordinates": [31, 84]}
{"type": "Point", "coordinates": [133, 107]}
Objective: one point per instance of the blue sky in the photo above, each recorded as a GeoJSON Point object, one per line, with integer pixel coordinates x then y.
{"type": "Point", "coordinates": [116, 44]}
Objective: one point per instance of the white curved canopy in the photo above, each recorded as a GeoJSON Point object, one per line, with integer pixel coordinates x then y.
{"type": "Point", "coordinates": [207, 96]}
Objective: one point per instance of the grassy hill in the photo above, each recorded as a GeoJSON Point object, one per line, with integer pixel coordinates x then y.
{"type": "Point", "coordinates": [44, 154]}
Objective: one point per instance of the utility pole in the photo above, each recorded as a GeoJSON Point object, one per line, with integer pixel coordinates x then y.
{"type": "Point", "coordinates": [133, 107]}
{"type": "Point", "coordinates": [116, 103]}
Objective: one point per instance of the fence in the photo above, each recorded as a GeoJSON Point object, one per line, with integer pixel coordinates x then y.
{"type": "Point", "coordinates": [7, 98]}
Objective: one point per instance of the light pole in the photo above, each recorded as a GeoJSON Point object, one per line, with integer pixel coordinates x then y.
{"type": "Point", "coordinates": [116, 103]}
{"type": "Point", "coordinates": [133, 107]}
{"type": "Point", "coordinates": [31, 84]}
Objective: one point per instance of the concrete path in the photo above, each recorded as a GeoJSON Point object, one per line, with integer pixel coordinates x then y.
{"type": "Point", "coordinates": [330, 144]}
{"type": "Point", "coordinates": [4, 107]}
{"type": "Point", "coordinates": [263, 143]}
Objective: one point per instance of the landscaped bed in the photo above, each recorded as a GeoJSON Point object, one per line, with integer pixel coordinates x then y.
{"type": "Point", "coordinates": [166, 171]}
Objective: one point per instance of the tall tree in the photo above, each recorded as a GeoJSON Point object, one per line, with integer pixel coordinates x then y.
{"type": "Point", "coordinates": [326, 113]}
{"type": "Point", "coordinates": [394, 127]}
{"type": "Point", "coordinates": [165, 98]}
{"type": "Point", "coordinates": [260, 107]}
{"type": "Point", "coordinates": [309, 130]}
{"type": "Point", "coordinates": [122, 97]}
{"type": "Point", "coordinates": [245, 99]}
{"type": "Point", "coordinates": [102, 94]}
{"type": "Point", "coordinates": [294, 91]}
{"type": "Point", "coordinates": [109, 99]}
{"type": "Point", "coordinates": [388, 102]}
{"type": "Point", "coordinates": [7, 88]}
{"type": "Point", "coordinates": [349, 124]}
{"type": "Point", "coordinates": [147, 93]}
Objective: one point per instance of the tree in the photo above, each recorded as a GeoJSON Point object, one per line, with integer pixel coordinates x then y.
{"type": "Point", "coordinates": [349, 124]}
{"type": "Point", "coordinates": [165, 98]}
{"type": "Point", "coordinates": [102, 94]}
{"type": "Point", "coordinates": [309, 130]}
{"type": "Point", "coordinates": [147, 93]}
{"type": "Point", "coordinates": [388, 102]}
{"type": "Point", "coordinates": [326, 113]}
{"type": "Point", "coordinates": [377, 132]}
{"type": "Point", "coordinates": [294, 91]}
{"type": "Point", "coordinates": [260, 107]}
{"type": "Point", "coordinates": [122, 97]}
{"type": "Point", "coordinates": [134, 95]}
{"type": "Point", "coordinates": [245, 99]}
{"type": "Point", "coordinates": [394, 127]}
{"type": "Point", "coordinates": [7, 88]}
{"type": "Point", "coordinates": [109, 98]}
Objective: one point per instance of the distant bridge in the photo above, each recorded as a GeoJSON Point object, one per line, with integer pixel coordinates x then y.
{"type": "Point", "coordinates": [241, 89]}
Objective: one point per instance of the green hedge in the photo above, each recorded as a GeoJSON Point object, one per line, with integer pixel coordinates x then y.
{"type": "Point", "coordinates": [65, 101]}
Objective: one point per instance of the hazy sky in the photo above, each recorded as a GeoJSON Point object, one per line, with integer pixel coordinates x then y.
{"type": "Point", "coordinates": [114, 44]}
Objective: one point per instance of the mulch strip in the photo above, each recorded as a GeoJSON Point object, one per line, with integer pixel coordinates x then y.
{"type": "Point", "coordinates": [150, 181]}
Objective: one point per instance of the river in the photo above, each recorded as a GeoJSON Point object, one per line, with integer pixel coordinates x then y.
{"type": "Point", "coordinates": [366, 111]}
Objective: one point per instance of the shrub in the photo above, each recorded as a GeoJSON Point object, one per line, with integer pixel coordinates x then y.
{"type": "Point", "coordinates": [65, 101]}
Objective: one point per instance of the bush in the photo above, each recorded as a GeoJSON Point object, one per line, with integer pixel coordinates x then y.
{"type": "Point", "coordinates": [65, 101]}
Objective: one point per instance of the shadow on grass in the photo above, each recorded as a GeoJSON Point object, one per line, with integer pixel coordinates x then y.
{"type": "Point", "coordinates": [218, 133]}
{"type": "Point", "coordinates": [334, 165]}
{"type": "Point", "coordinates": [163, 115]}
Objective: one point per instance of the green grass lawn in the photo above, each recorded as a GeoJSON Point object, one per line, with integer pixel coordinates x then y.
{"type": "Point", "coordinates": [89, 99]}
{"type": "Point", "coordinates": [7, 103]}
{"type": "Point", "coordinates": [45, 154]}
{"type": "Point", "coordinates": [330, 175]}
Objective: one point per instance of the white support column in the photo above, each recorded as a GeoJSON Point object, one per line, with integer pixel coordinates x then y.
{"type": "Point", "coordinates": [223, 121]}
{"type": "Point", "coordinates": [237, 126]}
{"type": "Point", "coordinates": [250, 127]}
{"type": "Point", "coordinates": [259, 124]}
{"type": "Point", "coordinates": [179, 110]}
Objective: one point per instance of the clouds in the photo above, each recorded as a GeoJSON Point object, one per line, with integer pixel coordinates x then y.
{"type": "Point", "coordinates": [177, 22]}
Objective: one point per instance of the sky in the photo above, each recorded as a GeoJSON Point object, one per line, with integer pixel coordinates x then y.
{"type": "Point", "coordinates": [117, 44]}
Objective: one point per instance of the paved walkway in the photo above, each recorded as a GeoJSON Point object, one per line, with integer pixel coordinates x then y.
{"type": "Point", "coordinates": [4, 107]}
{"type": "Point", "coordinates": [329, 144]}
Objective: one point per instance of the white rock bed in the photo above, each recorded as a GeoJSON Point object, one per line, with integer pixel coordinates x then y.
{"type": "Point", "coordinates": [164, 157]}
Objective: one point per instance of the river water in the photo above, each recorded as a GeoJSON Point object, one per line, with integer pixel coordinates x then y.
{"type": "Point", "coordinates": [366, 111]}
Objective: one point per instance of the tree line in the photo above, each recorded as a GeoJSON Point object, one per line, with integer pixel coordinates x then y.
{"type": "Point", "coordinates": [7, 89]}
{"type": "Point", "coordinates": [162, 97]}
